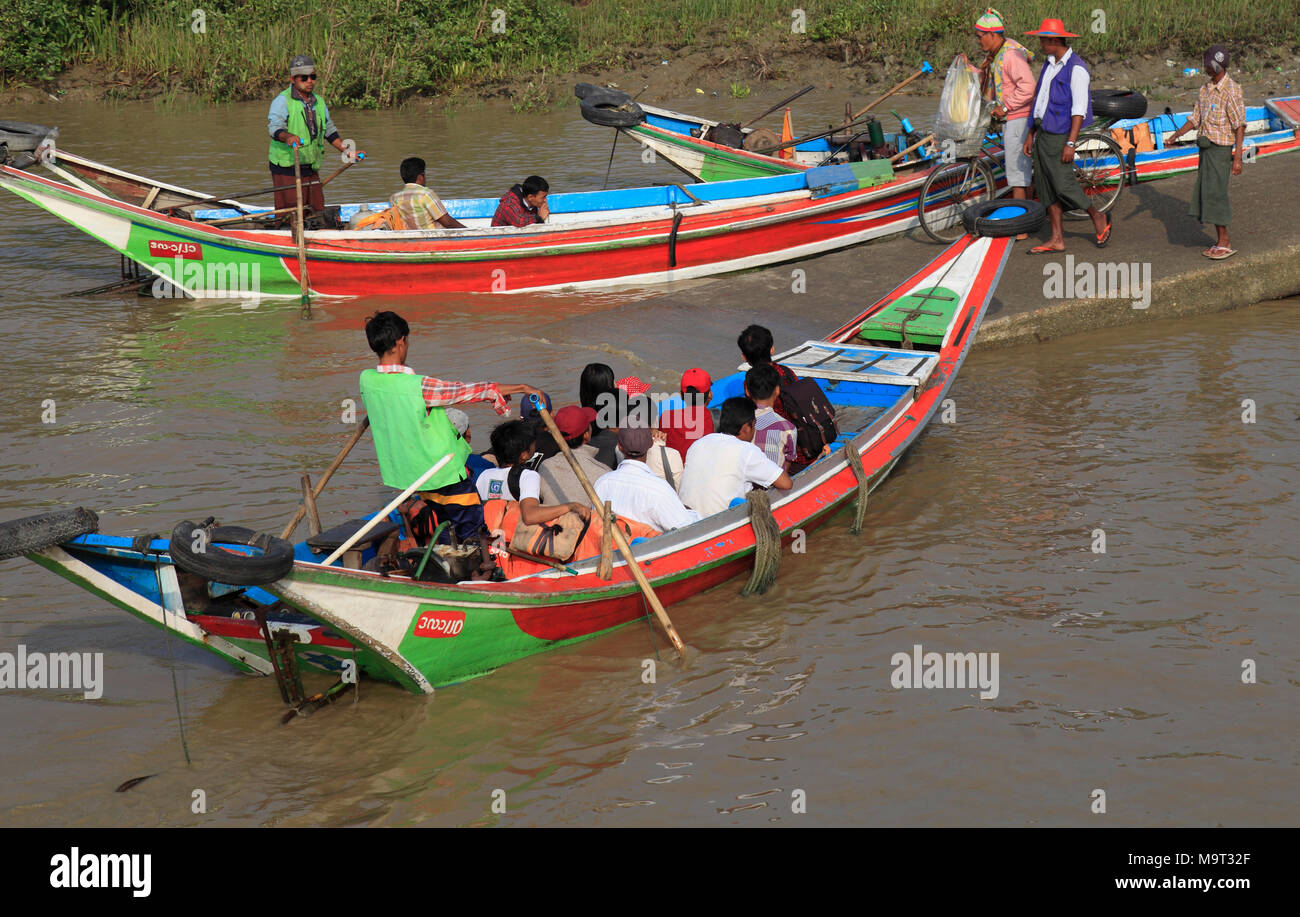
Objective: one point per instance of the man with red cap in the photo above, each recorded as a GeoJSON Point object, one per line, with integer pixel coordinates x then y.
{"type": "Point", "coordinates": [684, 420]}
{"type": "Point", "coordinates": [1062, 106]}
{"type": "Point", "coordinates": [559, 482]}
{"type": "Point", "coordinates": [1220, 121]}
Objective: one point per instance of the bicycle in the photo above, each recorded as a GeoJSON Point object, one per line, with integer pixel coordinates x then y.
{"type": "Point", "coordinates": [948, 190]}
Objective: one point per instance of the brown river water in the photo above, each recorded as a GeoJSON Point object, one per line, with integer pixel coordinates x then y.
{"type": "Point", "coordinates": [1119, 671]}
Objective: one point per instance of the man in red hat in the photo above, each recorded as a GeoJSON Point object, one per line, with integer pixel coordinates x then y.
{"type": "Point", "coordinates": [686, 419]}
{"type": "Point", "coordinates": [1062, 106]}
{"type": "Point", "coordinates": [559, 482]}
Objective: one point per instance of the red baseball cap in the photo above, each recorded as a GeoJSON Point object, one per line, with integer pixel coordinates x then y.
{"type": "Point", "coordinates": [572, 420]}
{"type": "Point", "coordinates": [697, 379]}
{"type": "Point", "coordinates": [632, 385]}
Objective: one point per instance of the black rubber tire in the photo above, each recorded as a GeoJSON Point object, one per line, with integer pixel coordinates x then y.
{"type": "Point", "coordinates": [975, 218]}
{"type": "Point", "coordinates": [1118, 104]}
{"type": "Point", "coordinates": [32, 533]}
{"type": "Point", "coordinates": [608, 107]}
{"type": "Point", "coordinates": [21, 137]}
{"type": "Point", "coordinates": [221, 566]}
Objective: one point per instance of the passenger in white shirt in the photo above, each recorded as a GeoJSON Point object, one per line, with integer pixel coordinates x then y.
{"type": "Point", "coordinates": [723, 466]}
{"type": "Point", "coordinates": [635, 492]}
{"type": "Point", "coordinates": [513, 443]}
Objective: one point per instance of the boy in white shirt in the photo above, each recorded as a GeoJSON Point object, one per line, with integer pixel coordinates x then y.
{"type": "Point", "coordinates": [723, 466]}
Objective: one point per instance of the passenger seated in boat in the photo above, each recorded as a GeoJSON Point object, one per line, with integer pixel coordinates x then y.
{"type": "Point", "coordinates": [408, 420]}
{"type": "Point", "coordinates": [524, 204]}
{"type": "Point", "coordinates": [415, 206]}
{"type": "Point", "coordinates": [596, 390]}
{"type": "Point", "coordinates": [722, 467]}
{"type": "Point", "coordinates": [512, 442]}
{"type": "Point", "coordinates": [686, 419]}
{"type": "Point", "coordinates": [775, 435]}
{"type": "Point", "coordinates": [633, 491]}
{"type": "Point", "coordinates": [662, 459]}
{"type": "Point", "coordinates": [559, 483]}
{"type": "Point", "coordinates": [802, 402]}
{"type": "Point", "coordinates": [475, 464]}
{"type": "Point", "coordinates": [544, 444]}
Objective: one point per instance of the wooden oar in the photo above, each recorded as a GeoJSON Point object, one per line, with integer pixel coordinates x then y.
{"type": "Point", "coordinates": [619, 538]}
{"type": "Point", "coordinates": [925, 68]}
{"type": "Point", "coordinates": [922, 142]}
{"type": "Point", "coordinates": [302, 234]}
{"type": "Point", "coordinates": [329, 473]}
{"type": "Point", "coordinates": [221, 198]}
{"type": "Point", "coordinates": [383, 513]}
{"type": "Point", "coordinates": [782, 103]}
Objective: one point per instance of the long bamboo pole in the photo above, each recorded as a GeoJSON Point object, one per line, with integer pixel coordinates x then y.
{"type": "Point", "coordinates": [383, 513]}
{"type": "Point", "coordinates": [619, 538]}
{"type": "Point", "coordinates": [925, 68]}
{"type": "Point", "coordinates": [329, 473]}
{"type": "Point", "coordinates": [302, 233]}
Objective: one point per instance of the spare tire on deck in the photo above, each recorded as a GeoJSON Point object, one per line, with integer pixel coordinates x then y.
{"type": "Point", "coordinates": [608, 107]}
{"type": "Point", "coordinates": [1118, 104]}
{"type": "Point", "coordinates": [203, 556]}
{"type": "Point", "coordinates": [32, 533]}
{"type": "Point", "coordinates": [1016, 216]}
{"type": "Point", "coordinates": [21, 137]}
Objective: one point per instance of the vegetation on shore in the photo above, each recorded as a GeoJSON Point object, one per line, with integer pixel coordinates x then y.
{"type": "Point", "coordinates": [375, 53]}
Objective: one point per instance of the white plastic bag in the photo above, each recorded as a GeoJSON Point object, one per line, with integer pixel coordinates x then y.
{"type": "Point", "coordinates": [962, 114]}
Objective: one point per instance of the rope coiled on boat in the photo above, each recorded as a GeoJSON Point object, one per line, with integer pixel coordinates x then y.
{"type": "Point", "coordinates": [864, 487]}
{"type": "Point", "coordinates": [767, 543]}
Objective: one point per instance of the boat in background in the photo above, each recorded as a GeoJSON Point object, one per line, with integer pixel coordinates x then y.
{"type": "Point", "coordinates": [885, 381]}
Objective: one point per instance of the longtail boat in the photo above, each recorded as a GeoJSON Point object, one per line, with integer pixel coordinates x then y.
{"type": "Point", "coordinates": [1271, 128]}
{"type": "Point", "coordinates": [592, 240]}
{"type": "Point", "coordinates": [423, 635]}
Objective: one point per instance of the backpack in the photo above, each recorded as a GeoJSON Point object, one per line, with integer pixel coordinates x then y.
{"type": "Point", "coordinates": [805, 405]}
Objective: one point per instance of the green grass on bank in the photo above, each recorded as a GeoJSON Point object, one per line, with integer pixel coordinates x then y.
{"type": "Point", "coordinates": [377, 52]}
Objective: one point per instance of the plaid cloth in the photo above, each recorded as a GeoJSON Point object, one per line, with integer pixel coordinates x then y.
{"type": "Point", "coordinates": [416, 207]}
{"type": "Point", "coordinates": [440, 393]}
{"type": "Point", "coordinates": [512, 211]}
{"type": "Point", "coordinates": [776, 436]}
{"type": "Point", "coordinates": [1219, 111]}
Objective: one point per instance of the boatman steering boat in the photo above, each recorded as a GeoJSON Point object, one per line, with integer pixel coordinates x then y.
{"type": "Point", "coordinates": [300, 118]}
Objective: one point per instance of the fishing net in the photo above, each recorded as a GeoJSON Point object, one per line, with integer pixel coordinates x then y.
{"type": "Point", "coordinates": [767, 544]}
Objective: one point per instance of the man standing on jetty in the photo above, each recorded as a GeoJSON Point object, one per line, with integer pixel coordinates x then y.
{"type": "Point", "coordinates": [299, 118]}
{"type": "Point", "coordinates": [1008, 81]}
{"type": "Point", "coordinates": [1062, 106]}
{"type": "Point", "coordinates": [1220, 118]}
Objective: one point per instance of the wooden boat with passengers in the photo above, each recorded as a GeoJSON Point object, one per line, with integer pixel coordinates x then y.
{"type": "Point", "coordinates": [261, 603]}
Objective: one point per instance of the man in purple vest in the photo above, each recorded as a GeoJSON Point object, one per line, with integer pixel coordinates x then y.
{"type": "Point", "coordinates": [1062, 106]}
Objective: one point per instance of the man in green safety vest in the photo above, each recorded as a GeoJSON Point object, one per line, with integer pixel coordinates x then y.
{"type": "Point", "coordinates": [408, 421]}
{"type": "Point", "coordinates": [300, 119]}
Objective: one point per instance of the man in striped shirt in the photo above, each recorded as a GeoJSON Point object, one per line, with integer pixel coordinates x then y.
{"type": "Point", "coordinates": [415, 206]}
{"type": "Point", "coordinates": [1220, 121]}
{"type": "Point", "coordinates": [403, 453]}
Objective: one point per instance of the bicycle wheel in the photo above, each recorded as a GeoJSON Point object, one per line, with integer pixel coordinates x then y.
{"type": "Point", "coordinates": [1099, 167]}
{"type": "Point", "coordinates": [947, 192]}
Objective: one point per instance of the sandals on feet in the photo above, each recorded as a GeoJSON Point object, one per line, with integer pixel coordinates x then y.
{"type": "Point", "coordinates": [1219, 252]}
{"type": "Point", "coordinates": [1045, 250]}
{"type": "Point", "coordinates": [1104, 238]}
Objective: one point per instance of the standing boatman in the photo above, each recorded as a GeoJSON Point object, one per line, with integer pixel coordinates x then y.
{"type": "Point", "coordinates": [299, 118]}
{"type": "Point", "coordinates": [1062, 105]}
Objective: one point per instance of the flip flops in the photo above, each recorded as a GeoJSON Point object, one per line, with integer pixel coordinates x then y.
{"type": "Point", "coordinates": [1044, 250]}
{"type": "Point", "coordinates": [1219, 252]}
{"type": "Point", "coordinates": [1104, 238]}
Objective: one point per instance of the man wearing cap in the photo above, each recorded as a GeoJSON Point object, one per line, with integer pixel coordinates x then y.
{"type": "Point", "coordinates": [686, 419]}
{"type": "Point", "coordinates": [559, 482]}
{"type": "Point", "coordinates": [300, 119]}
{"type": "Point", "coordinates": [1062, 106]}
{"type": "Point", "coordinates": [1008, 81]}
{"type": "Point", "coordinates": [1220, 119]}
{"type": "Point", "coordinates": [635, 492]}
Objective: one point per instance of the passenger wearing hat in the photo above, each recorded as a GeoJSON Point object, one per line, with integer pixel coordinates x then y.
{"type": "Point", "coordinates": [1009, 82]}
{"type": "Point", "coordinates": [1062, 106]}
{"type": "Point", "coordinates": [299, 118]}
{"type": "Point", "coordinates": [635, 492]}
{"type": "Point", "coordinates": [686, 419]}
{"type": "Point", "coordinates": [475, 464]}
{"type": "Point", "coordinates": [1220, 119]}
{"type": "Point", "coordinates": [559, 482]}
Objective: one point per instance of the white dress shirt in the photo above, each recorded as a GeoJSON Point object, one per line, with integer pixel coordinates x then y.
{"type": "Point", "coordinates": [636, 492]}
{"type": "Point", "coordinates": [1079, 81]}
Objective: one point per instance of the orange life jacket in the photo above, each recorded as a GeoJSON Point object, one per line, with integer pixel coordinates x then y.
{"type": "Point", "coordinates": [501, 517]}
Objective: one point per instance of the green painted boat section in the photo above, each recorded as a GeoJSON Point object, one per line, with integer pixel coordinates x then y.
{"type": "Point", "coordinates": [923, 316]}
{"type": "Point", "coordinates": [209, 268]}
{"type": "Point", "coordinates": [720, 165]}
